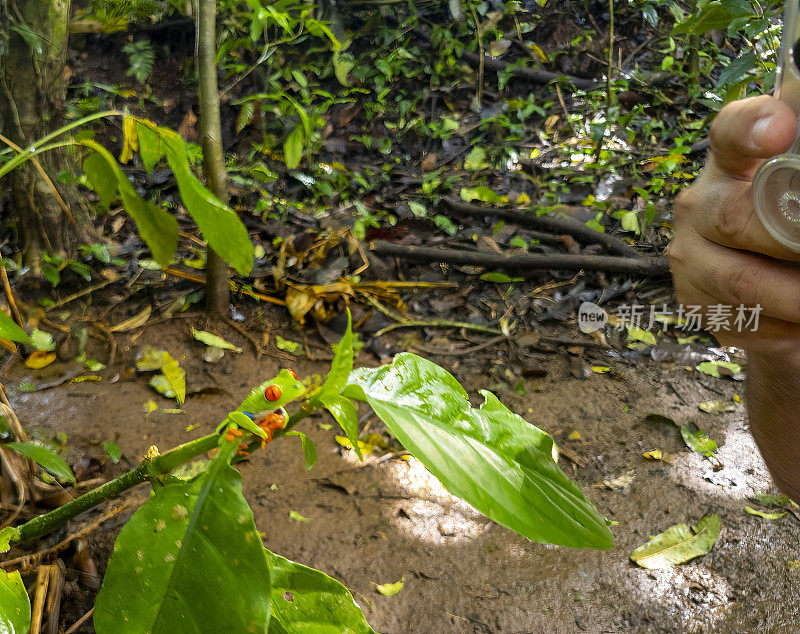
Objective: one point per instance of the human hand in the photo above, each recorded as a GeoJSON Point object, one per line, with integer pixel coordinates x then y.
{"type": "Point", "coordinates": [721, 253]}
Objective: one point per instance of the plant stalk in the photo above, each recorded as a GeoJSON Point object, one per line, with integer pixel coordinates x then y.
{"type": "Point", "coordinates": [149, 468]}
{"type": "Point", "coordinates": [217, 291]}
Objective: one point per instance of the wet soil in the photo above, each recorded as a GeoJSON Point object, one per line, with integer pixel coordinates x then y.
{"type": "Point", "coordinates": [385, 520]}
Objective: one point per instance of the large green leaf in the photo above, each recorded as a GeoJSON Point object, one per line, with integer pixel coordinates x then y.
{"type": "Point", "coordinates": [157, 228]}
{"type": "Point", "coordinates": [307, 601]}
{"type": "Point", "coordinates": [46, 458]}
{"type": "Point", "coordinates": [10, 330]}
{"type": "Point", "coordinates": [346, 414]}
{"type": "Point", "coordinates": [490, 457]}
{"type": "Point", "coordinates": [293, 148]}
{"type": "Point", "coordinates": [678, 544]}
{"type": "Point", "coordinates": [150, 148]}
{"type": "Point", "coordinates": [717, 14]}
{"type": "Point", "coordinates": [190, 560]}
{"type": "Point", "coordinates": [218, 223]}
{"type": "Point", "coordinates": [15, 607]}
{"type": "Point", "coordinates": [102, 178]}
{"type": "Point", "coordinates": [342, 364]}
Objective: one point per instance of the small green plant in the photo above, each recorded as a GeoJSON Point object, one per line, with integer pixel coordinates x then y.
{"type": "Point", "coordinates": [192, 554]}
{"type": "Point", "coordinates": [141, 58]}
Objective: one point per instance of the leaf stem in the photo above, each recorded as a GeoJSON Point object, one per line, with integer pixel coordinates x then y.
{"type": "Point", "coordinates": [150, 467]}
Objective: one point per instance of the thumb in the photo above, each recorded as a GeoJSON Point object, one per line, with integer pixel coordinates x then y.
{"type": "Point", "coordinates": [747, 132]}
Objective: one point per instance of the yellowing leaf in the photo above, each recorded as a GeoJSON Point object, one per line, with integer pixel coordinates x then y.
{"type": "Point", "coordinates": [138, 320]}
{"type": "Point", "coordinates": [764, 515]}
{"type": "Point", "coordinates": [213, 340]}
{"type": "Point", "coordinates": [176, 376]}
{"type": "Point", "coordinates": [576, 435]}
{"type": "Point", "coordinates": [678, 544]}
{"type": "Point", "coordinates": [130, 141]}
{"type": "Point", "coordinates": [40, 359]}
{"type": "Point", "coordinates": [654, 455]}
{"type": "Point", "coordinates": [639, 334]}
{"type": "Point", "coordinates": [600, 369]}
{"type": "Point", "coordinates": [292, 347]}
{"type": "Point", "coordinates": [297, 517]}
{"type": "Point", "coordinates": [712, 368]}
{"type": "Point", "coordinates": [390, 589]}
{"type": "Point", "coordinates": [149, 407]}
{"type": "Point", "coordinates": [344, 441]}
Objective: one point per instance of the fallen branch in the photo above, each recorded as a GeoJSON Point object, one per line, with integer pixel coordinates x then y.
{"type": "Point", "coordinates": [552, 223]}
{"type": "Point", "coordinates": [533, 74]}
{"type": "Point", "coordinates": [528, 264]}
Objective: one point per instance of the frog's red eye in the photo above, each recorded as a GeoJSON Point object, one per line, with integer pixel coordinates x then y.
{"type": "Point", "coordinates": [272, 393]}
{"type": "Point", "coordinates": [292, 372]}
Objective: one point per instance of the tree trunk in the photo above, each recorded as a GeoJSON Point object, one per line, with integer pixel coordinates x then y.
{"type": "Point", "coordinates": [217, 290]}
{"type": "Point", "coordinates": [32, 91]}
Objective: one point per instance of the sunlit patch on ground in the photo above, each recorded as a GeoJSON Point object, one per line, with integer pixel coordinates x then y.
{"type": "Point", "coordinates": [743, 472]}
{"type": "Point", "coordinates": [693, 596]}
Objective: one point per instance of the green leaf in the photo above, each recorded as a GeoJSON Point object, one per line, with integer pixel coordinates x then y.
{"type": "Point", "coordinates": [8, 535]}
{"type": "Point", "coordinates": [342, 364]}
{"type": "Point", "coordinates": [640, 334]}
{"type": "Point", "coordinates": [763, 514]}
{"type": "Point", "coordinates": [737, 69]}
{"type": "Point", "coordinates": [390, 589]}
{"type": "Point", "coordinates": [678, 544]}
{"type": "Point", "coordinates": [492, 458]}
{"type": "Point", "coordinates": [190, 560]}
{"type": "Point", "coordinates": [102, 178]}
{"type": "Point", "coordinates": [712, 368]}
{"type": "Point", "coordinates": [15, 607]}
{"type": "Point", "coordinates": [481, 193]}
{"type": "Point", "coordinates": [293, 148]}
{"type": "Point", "coordinates": [218, 223]}
{"type": "Point", "coordinates": [113, 451]}
{"type": "Point", "coordinates": [158, 229]}
{"type": "Point", "coordinates": [418, 209]}
{"type": "Point", "coordinates": [698, 441]}
{"type": "Point", "coordinates": [10, 330]}
{"type": "Point", "coordinates": [346, 414]}
{"type": "Point", "coordinates": [307, 601]}
{"type": "Point", "coordinates": [292, 347]}
{"type": "Point", "coordinates": [500, 278]}
{"type": "Point", "coordinates": [717, 14]}
{"type": "Point", "coordinates": [309, 450]}
{"type": "Point", "coordinates": [297, 517]}
{"type": "Point", "coordinates": [42, 340]}
{"type": "Point", "coordinates": [150, 148]}
{"type": "Point", "coordinates": [342, 65]}
{"type": "Point", "coordinates": [213, 340]}
{"type": "Point", "coordinates": [772, 499]}
{"type": "Point", "coordinates": [630, 221]}
{"type": "Point", "coordinates": [46, 458]}
{"type": "Point", "coordinates": [476, 159]}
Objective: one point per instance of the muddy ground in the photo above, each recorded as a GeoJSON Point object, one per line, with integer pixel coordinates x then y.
{"type": "Point", "coordinates": [385, 520]}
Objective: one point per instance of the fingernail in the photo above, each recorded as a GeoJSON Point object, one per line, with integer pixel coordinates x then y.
{"type": "Point", "coordinates": [759, 131]}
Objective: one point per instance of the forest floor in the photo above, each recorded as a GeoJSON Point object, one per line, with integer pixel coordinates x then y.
{"type": "Point", "coordinates": [387, 519]}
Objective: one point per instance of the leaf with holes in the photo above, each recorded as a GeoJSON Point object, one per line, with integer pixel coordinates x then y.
{"type": "Point", "coordinates": [189, 560]}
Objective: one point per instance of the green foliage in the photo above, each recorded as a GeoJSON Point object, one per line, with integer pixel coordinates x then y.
{"type": "Point", "coordinates": [15, 608]}
{"type": "Point", "coordinates": [141, 58]}
{"type": "Point", "coordinates": [189, 560]}
{"type": "Point", "coordinates": [307, 600]}
{"type": "Point", "coordinates": [10, 330]}
{"type": "Point", "coordinates": [46, 458]}
{"type": "Point", "coordinates": [495, 460]}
